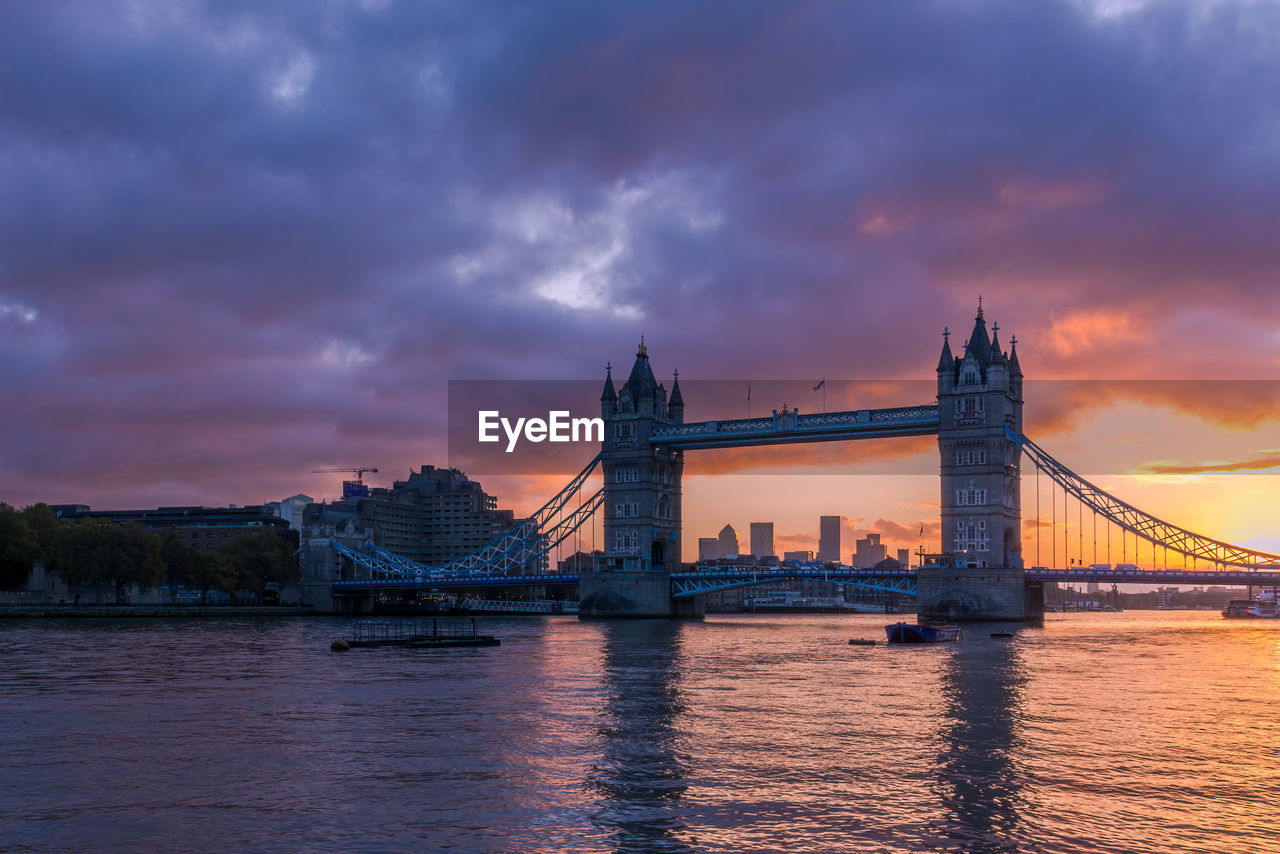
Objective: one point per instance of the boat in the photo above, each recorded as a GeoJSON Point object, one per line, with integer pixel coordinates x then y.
{"type": "Point", "coordinates": [910, 633]}
{"type": "Point", "coordinates": [1252, 609]}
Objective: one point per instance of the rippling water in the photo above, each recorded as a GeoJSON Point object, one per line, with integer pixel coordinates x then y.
{"type": "Point", "coordinates": [1096, 733]}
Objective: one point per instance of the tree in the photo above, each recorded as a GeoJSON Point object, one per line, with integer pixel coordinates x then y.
{"type": "Point", "coordinates": [19, 547]}
{"type": "Point", "coordinates": [262, 558]}
{"type": "Point", "coordinates": [181, 563]}
{"type": "Point", "coordinates": [141, 563]}
{"type": "Point", "coordinates": [214, 572]}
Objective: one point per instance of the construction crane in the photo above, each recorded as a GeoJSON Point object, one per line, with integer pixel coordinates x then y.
{"type": "Point", "coordinates": [351, 488]}
{"type": "Point", "coordinates": [358, 471]}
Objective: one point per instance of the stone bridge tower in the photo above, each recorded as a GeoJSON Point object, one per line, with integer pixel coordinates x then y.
{"type": "Point", "coordinates": [641, 507]}
{"type": "Point", "coordinates": [979, 394]}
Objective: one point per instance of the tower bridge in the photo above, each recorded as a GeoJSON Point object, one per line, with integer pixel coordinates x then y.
{"type": "Point", "coordinates": [981, 574]}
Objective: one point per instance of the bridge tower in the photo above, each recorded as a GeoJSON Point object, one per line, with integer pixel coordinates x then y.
{"type": "Point", "coordinates": [641, 506]}
{"type": "Point", "coordinates": [979, 393]}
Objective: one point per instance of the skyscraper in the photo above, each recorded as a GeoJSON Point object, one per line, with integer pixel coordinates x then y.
{"type": "Point", "coordinates": [829, 538]}
{"type": "Point", "coordinates": [728, 541]}
{"type": "Point", "coordinates": [708, 548]}
{"type": "Point", "coordinates": [762, 539]}
{"type": "Point", "coordinates": [869, 551]}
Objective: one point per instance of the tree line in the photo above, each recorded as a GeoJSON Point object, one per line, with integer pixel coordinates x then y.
{"type": "Point", "coordinates": [107, 555]}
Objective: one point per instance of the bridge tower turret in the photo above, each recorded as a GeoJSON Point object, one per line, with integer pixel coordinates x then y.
{"type": "Point", "coordinates": [979, 393]}
{"type": "Point", "coordinates": [642, 514]}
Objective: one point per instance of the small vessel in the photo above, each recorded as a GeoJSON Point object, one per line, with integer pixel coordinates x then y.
{"type": "Point", "coordinates": [1254, 609]}
{"type": "Point", "coordinates": [911, 633]}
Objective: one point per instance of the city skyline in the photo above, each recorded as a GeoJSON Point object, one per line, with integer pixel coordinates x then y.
{"type": "Point", "coordinates": [264, 244]}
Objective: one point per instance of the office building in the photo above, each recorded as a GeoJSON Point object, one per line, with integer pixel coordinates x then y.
{"type": "Point", "coordinates": [728, 542]}
{"type": "Point", "coordinates": [869, 551]}
{"type": "Point", "coordinates": [762, 539]}
{"type": "Point", "coordinates": [829, 538]}
{"type": "Point", "coordinates": [708, 548]}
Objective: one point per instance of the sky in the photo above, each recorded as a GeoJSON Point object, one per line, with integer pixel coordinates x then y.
{"type": "Point", "coordinates": [239, 241]}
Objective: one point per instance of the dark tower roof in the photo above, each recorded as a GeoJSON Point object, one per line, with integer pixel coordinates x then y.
{"type": "Point", "coordinates": [1015, 370]}
{"type": "Point", "coordinates": [608, 394]}
{"type": "Point", "coordinates": [677, 399]}
{"type": "Point", "coordinates": [642, 382]}
{"type": "Point", "coordinates": [979, 343]}
{"type": "Point", "coordinates": [946, 362]}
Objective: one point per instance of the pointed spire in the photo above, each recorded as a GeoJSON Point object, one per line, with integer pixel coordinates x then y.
{"type": "Point", "coordinates": [979, 343]}
{"type": "Point", "coordinates": [946, 362]}
{"type": "Point", "coordinates": [641, 382]}
{"type": "Point", "coordinates": [1015, 370]}
{"type": "Point", "coordinates": [996, 355]}
{"type": "Point", "coordinates": [677, 399]}
{"type": "Point", "coordinates": [608, 394]}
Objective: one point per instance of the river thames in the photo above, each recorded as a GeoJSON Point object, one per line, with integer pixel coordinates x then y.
{"type": "Point", "coordinates": [1133, 732]}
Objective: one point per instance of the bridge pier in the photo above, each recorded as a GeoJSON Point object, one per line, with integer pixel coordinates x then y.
{"type": "Point", "coordinates": [950, 593]}
{"type": "Point", "coordinates": [605, 594]}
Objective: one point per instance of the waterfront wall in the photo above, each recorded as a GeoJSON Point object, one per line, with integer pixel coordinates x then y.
{"type": "Point", "coordinates": [73, 612]}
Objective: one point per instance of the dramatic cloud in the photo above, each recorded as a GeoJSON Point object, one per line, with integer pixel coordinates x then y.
{"type": "Point", "coordinates": [239, 241]}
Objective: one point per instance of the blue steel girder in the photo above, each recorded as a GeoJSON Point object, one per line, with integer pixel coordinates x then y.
{"type": "Point", "coordinates": [1260, 578]}
{"type": "Point", "coordinates": [789, 428]}
{"type": "Point", "coordinates": [1143, 524]}
{"type": "Point", "coordinates": [685, 584]}
{"type": "Point", "coordinates": [406, 585]}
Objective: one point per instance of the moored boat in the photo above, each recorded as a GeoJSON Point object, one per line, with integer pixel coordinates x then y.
{"type": "Point", "coordinates": [911, 633]}
{"type": "Point", "coordinates": [1252, 609]}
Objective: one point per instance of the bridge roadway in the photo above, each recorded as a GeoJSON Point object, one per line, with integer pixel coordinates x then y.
{"type": "Point", "coordinates": [902, 581]}
{"type": "Point", "coordinates": [788, 427]}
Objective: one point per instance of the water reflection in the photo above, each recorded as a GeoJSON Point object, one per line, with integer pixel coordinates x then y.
{"type": "Point", "coordinates": [640, 774]}
{"type": "Point", "coordinates": [979, 781]}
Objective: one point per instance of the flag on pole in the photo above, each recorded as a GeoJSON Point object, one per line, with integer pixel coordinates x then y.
{"type": "Point", "coordinates": [748, 391]}
{"type": "Point", "coordinates": [821, 384]}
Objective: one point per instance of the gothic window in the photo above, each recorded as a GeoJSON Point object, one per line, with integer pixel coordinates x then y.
{"type": "Point", "coordinates": [971, 457]}
{"type": "Point", "coordinates": [970, 377]}
{"type": "Point", "coordinates": [971, 536]}
{"type": "Point", "coordinates": [970, 409]}
{"type": "Point", "coordinates": [626, 474]}
{"type": "Point", "coordinates": [626, 431]}
{"type": "Point", "coordinates": [971, 496]}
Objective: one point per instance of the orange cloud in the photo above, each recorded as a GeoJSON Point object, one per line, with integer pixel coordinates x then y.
{"type": "Point", "coordinates": [1089, 329]}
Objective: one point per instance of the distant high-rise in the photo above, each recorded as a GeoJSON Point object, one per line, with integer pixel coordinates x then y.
{"type": "Point", "coordinates": [870, 552]}
{"type": "Point", "coordinates": [802, 556]}
{"type": "Point", "coordinates": [728, 541]}
{"type": "Point", "coordinates": [708, 548]}
{"type": "Point", "coordinates": [904, 558]}
{"type": "Point", "coordinates": [829, 538]}
{"type": "Point", "coordinates": [762, 539]}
